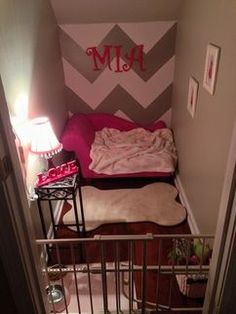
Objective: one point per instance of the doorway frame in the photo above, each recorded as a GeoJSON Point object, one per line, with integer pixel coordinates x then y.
{"type": "Point", "coordinates": [225, 233]}
{"type": "Point", "coordinates": [18, 251]}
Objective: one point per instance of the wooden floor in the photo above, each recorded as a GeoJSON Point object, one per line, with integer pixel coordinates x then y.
{"type": "Point", "coordinates": [92, 253]}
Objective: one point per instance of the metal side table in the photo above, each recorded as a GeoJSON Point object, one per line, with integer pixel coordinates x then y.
{"type": "Point", "coordinates": [64, 189]}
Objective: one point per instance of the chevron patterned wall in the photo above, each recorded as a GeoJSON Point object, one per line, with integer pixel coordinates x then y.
{"type": "Point", "coordinates": [141, 96]}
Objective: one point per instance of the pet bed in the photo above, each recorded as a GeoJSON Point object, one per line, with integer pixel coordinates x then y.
{"type": "Point", "coordinates": [82, 132]}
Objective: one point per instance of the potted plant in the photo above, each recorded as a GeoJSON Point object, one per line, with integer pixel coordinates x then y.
{"type": "Point", "coordinates": [190, 252]}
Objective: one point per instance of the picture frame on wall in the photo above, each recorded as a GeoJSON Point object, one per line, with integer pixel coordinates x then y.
{"type": "Point", "coordinates": [211, 67]}
{"type": "Point", "coordinates": [192, 96]}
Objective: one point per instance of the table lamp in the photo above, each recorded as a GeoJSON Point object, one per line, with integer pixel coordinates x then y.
{"type": "Point", "coordinates": [43, 139]}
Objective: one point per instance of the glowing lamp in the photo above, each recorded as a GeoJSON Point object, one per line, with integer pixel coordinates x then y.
{"type": "Point", "coordinates": [43, 139]}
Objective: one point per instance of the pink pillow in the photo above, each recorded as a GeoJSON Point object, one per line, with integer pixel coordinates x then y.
{"type": "Point", "coordinates": [78, 128]}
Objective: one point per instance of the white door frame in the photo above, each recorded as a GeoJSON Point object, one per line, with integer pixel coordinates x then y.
{"type": "Point", "coordinates": [18, 250]}
{"type": "Point", "coordinates": [225, 233]}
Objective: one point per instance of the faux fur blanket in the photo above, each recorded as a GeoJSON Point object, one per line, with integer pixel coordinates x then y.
{"type": "Point", "coordinates": [154, 202]}
{"type": "Point", "coordinates": [137, 150]}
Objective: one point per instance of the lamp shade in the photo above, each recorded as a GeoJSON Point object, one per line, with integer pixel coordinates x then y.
{"type": "Point", "coordinates": [43, 139]}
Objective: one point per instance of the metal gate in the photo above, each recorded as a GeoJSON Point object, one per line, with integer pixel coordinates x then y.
{"type": "Point", "coordinates": [126, 273]}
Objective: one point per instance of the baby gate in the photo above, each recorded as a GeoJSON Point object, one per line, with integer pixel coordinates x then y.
{"type": "Point", "coordinates": [126, 273]}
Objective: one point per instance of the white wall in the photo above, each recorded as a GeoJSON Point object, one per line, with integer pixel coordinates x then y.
{"type": "Point", "coordinates": [30, 63]}
{"type": "Point", "coordinates": [203, 142]}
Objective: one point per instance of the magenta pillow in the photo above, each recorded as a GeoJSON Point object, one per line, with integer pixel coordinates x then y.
{"type": "Point", "coordinates": [85, 127]}
{"type": "Point", "coordinates": [78, 129]}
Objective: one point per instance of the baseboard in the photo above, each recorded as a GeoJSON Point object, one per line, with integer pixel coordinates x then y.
{"type": "Point", "coordinates": [57, 214]}
{"type": "Point", "coordinates": [184, 200]}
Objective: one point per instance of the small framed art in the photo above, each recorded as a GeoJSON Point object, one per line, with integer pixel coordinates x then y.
{"type": "Point", "coordinates": [192, 96]}
{"type": "Point", "coordinates": [211, 66]}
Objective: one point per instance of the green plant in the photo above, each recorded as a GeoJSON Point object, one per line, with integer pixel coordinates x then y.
{"type": "Point", "coordinates": [189, 251]}
{"type": "Point", "coordinates": [202, 251]}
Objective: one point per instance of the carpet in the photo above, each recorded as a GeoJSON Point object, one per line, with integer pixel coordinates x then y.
{"type": "Point", "coordinates": [155, 202]}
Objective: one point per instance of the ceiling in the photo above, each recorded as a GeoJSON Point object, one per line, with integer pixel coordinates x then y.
{"type": "Point", "coordinates": [114, 11]}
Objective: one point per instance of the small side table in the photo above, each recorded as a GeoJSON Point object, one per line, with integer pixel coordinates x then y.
{"type": "Point", "coordinates": [64, 189]}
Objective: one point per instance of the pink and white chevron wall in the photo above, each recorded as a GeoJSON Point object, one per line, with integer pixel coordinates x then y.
{"type": "Point", "coordinates": [141, 96]}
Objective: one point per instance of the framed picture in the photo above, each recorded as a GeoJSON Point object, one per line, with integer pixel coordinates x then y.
{"type": "Point", "coordinates": [211, 65]}
{"type": "Point", "coordinates": [192, 96]}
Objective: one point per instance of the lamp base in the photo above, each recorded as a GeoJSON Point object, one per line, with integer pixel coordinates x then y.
{"type": "Point", "coordinates": [50, 163]}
